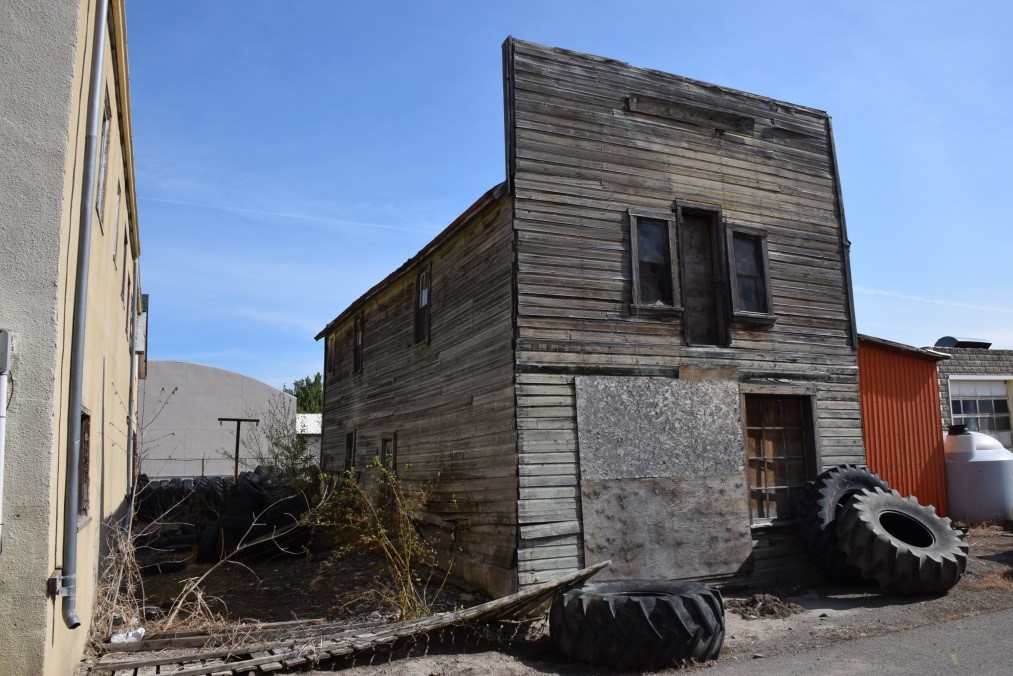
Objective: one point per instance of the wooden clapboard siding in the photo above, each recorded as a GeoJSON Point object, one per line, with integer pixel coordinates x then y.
{"type": "Point", "coordinates": [580, 156]}
{"type": "Point", "coordinates": [451, 402]}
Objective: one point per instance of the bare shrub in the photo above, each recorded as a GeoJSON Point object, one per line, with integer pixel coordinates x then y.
{"type": "Point", "coordinates": [380, 515]}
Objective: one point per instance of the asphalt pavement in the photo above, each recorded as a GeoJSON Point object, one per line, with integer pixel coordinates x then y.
{"type": "Point", "coordinates": [982, 644]}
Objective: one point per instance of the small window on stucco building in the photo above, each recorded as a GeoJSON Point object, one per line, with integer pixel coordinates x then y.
{"type": "Point", "coordinates": [84, 466]}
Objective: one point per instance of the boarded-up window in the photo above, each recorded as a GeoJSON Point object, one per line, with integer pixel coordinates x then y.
{"type": "Point", "coordinates": [703, 287]}
{"type": "Point", "coordinates": [655, 284]}
{"type": "Point", "coordinates": [750, 286]}
{"type": "Point", "coordinates": [357, 345]}
{"type": "Point", "coordinates": [422, 301]}
{"type": "Point", "coordinates": [781, 454]}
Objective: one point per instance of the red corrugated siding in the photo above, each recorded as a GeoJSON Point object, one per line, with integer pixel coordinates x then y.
{"type": "Point", "coordinates": [901, 423]}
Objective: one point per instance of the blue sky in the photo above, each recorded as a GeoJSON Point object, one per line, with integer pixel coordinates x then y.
{"type": "Point", "coordinates": [291, 154]}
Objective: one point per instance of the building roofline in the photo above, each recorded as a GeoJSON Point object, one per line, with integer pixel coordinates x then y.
{"type": "Point", "coordinates": [481, 203]}
{"type": "Point", "coordinates": [118, 44]}
{"type": "Point", "coordinates": [708, 85]}
{"type": "Point", "coordinates": [921, 352]}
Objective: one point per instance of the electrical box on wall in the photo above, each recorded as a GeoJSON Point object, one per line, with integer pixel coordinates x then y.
{"type": "Point", "coordinates": [5, 350]}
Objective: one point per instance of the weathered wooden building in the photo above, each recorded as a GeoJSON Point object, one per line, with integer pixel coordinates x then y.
{"type": "Point", "coordinates": [637, 347]}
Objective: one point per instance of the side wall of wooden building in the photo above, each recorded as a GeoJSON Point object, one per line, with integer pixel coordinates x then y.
{"type": "Point", "coordinates": [594, 145]}
{"type": "Point", "coordinates": [441, 408]}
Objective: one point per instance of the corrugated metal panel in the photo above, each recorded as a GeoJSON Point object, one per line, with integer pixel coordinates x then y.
{"type": "Point", "coordinates": [902, 428]}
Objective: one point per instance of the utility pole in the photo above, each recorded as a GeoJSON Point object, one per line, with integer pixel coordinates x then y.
{"type": "Point", "coordinates": [239, 422]}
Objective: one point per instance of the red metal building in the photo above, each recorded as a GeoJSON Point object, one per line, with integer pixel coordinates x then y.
{"type": "Point", "coordinates": [902, 428]}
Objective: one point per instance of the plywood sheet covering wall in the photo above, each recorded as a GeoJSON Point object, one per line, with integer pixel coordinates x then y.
{"type": "Point", "coordinates": [580, 159]}
{"type": "Point", "coordinates": [662, 477]}
{"type": "Point", "coordinates": [903, 433]}
{"type": "Point", "coordinates": [449, 402]}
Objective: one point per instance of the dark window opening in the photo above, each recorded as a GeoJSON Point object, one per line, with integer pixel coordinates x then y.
{"type": "Point", "coordinates": [652, 247]}
{"type": "Point", "coordinates": [750, 275]}
{"type": "Point", "coordinates": [357, 345]}
{"type": "Point", "coordinates": [330, 357]}
{"type": "Point", "coordinates": [388, 453]}
{"type": "Point", "coordinates": [780, 451]}
{"type": "Point", "coordinates": [84, 465]}
{"type": "Point", "coordinates": [703, 285]}
{"type": "Point", "coordinates": [349, 450]}
{"type": "Point", "coordinates": [422, 304]}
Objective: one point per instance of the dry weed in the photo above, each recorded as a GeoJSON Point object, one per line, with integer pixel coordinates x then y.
{"type": "Point", "coordinates": [992, 579]}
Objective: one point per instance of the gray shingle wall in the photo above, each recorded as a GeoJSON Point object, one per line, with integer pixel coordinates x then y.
{"type": "Point", "coordinates": [966, 361]}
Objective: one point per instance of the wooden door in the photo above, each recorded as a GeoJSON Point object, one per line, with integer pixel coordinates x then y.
{"type": "Point", "coordinates": [703, 311]}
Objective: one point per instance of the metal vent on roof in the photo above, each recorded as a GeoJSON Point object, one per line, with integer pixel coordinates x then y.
{"type": "Point", "coordinates": [950, 341]}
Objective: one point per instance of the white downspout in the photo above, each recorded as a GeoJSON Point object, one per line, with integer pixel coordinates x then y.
{"type": "Point", "coordinates": [68, 587]}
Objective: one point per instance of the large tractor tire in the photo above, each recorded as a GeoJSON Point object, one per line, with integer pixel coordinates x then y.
{"type": "Point", "coordinates": [820, 503]}
{"type": "Point", "coordinates": [902, 545]}
{"type": "Point", "coordinates": [638, 624]}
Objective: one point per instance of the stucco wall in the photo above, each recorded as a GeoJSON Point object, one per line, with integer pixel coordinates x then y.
{"type": "Point", "coordinates": [180, 406]}
{"type": "Point", "coordinates": [37, 78]}
{"type": "Point", "coordinates": [45, 50]}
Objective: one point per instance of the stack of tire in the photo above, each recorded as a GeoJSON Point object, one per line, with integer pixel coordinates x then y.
{"type": "Point", "coordinates": [856, 528]}
{"type": "Point", "coordinates": [261, 502]}
{"type": "Point", "coordinates": [638, 624]}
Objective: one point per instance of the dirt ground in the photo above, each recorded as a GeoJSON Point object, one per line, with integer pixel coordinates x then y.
{"type": "Point", "coordinates": [783, 620]}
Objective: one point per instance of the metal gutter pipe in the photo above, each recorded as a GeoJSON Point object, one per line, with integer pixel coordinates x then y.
{"type": "Point", "coordinates": [71, 498]}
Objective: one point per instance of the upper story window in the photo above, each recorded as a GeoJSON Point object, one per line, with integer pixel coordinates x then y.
{"type": "Point", "coordinates": [423, 285]}
{"type": "Point", "coordinates": [116, 219]}
{"type": "Point", "coordinates": [749, 273]}
{"type": "Point", "coordinates": [330, 356]}
{"type": "Point", "coordinates": [357, 345]}
{"type": "Point", "coordinates": [103, 161]}
{"type": "Point", "coordinates": [655, 282]}
{"type": "Point", "coordinates": [694, 265]}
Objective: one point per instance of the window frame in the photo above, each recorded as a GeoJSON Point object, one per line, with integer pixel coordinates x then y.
{"type": "Point", "coordinates": [720, 264]}
{"type": "Point", "coordinates": [672, 239]}
{"type": "Point", "coordinates": [103, 162]}
{"type": "Point", "coordinates": [84, 466]}
{"type": "Point", "coordinates": [422, 316]}
{"type": "Point", "coordinates": [389, 454]}
{"type": "Point", "coordinates": [357, 343]}
{"type": "Point", "coordinates": [330, 354]}
{"type": "Point", "coordinates": [739, 313]}
{"type": "Point", "coordinates": [351, 441]}
{"type": "Point", "coordinates": [811, 439]}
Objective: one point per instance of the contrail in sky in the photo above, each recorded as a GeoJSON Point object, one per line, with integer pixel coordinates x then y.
{"type": "Point", "coordinates": [298, 217]}
{"type": "Point", "coordinates": [935, 301]}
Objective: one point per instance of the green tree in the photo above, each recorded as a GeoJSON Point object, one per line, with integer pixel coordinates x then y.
{"type": "Point", "coordinates": [308, 393]}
